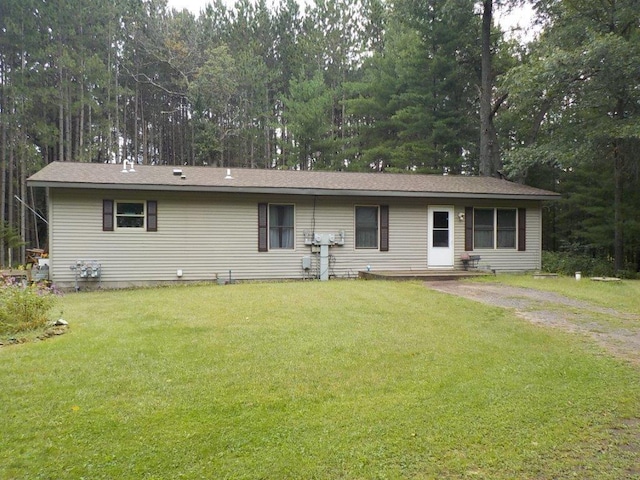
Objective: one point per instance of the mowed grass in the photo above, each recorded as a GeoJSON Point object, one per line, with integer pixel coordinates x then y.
{"type": "Point", "coordinates": [331, 380]}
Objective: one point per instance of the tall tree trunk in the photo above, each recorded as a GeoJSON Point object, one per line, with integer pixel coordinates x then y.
{"type": "Point", "coordinates": [182, 134]}
{"type": "Point", "coordinates": [267, 131]}
{"type": "Point", "coordinates": [193, 139]}
{"type": "Point", "coordinates": [22, 182]}
{"type": "Point", "coordinates": [109, 132]}
{"type": "Point", "coordinates": [145, 135]}
{"type": "Point", "coordinates": [22, 171]}
{"type": "Point", "coordinates": [68, 141]}
{"type": "Point", "coordinates": [173, 140]}
{"type": "Point", "coordinates": [619, 150]}
{"type": "Point", "coordinates": [90, 132]}
{"type": "Point", "coordinates": [252, 152]}
{"type": "Point", "coordinates": [3, 158]}
{"type": "Point", "coordinates": [80, 152]}
{"type": "Point", "coordinates": [151, 145]}
{"type": "Point", "coordinates": [618, 237]}
{"type": "Point", "coordinates": [124, 135]}
{"type": "Point", "coordinates": [489, 150]}
{"type": "Point", "coordinates": [134, 132]}
{"type": "Point", "coordinates": [10, 200]}
{"type": "Point", "coordinates": [158, 136]}
{"type": "Point", "coordinates": [61, 115]}
{"type": "Point", "coordinates": [116, 97]}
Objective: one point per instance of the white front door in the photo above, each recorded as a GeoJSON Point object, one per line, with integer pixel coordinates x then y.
{"type": "Point", "coordinates": [440, 232]}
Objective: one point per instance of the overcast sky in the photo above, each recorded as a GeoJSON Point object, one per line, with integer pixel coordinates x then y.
{"type": "Point", "coordinates": [521, 16]}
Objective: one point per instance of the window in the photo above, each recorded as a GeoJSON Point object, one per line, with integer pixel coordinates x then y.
{"type": "Point", "coordinates": [366, 227]}
{"type": "Point", "coordinates": [440, 229]}
{"type": "Point", "coordinates": [275, 227]}
{"type": "Point", "coordinates": [130, 215]}
{"type": "Point", "coordinates": [483, 228]}
{"type": "Point", "coordinates": [280, 226]}
{"type": "Point", "coordinates": [372, 227]}
{"type": "Point", "coordinates": [506, 228]}
{"type": "Point", "coordinates": [494, 227]}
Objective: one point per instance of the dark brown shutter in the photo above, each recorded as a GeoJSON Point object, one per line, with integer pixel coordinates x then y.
{"type": "Point", "coordinates": [468, 228]}
{"type": "Point", "coordinates": [263, 211]}
{"type": "Point", "coordinates": [522, 229]}
{"type": "Point", "coordinates": [384, 228]}
{"type": "Point", "coordinates": [107, 215]}
{"type": "Point", "coordinates": [152, 216]}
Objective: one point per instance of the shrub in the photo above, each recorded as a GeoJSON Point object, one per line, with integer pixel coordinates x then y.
{"type": "Point", "coordinates": [568, 263]}
{"type": "Point", "coordinates": [24, 308]}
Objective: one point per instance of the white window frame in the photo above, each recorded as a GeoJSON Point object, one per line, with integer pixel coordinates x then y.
{"type": "Point", "coordinates": [116, 215]}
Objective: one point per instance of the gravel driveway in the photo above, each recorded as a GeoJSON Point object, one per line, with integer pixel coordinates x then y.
{"type": "Point", "coordinates": [617, 332]}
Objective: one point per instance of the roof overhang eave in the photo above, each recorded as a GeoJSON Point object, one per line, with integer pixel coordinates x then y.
{"type": "Point", "coordinates": [290, 191]}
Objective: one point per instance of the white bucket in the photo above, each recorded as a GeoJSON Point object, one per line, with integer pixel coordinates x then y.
{"type": "Point", "coordinates": [578, 275]}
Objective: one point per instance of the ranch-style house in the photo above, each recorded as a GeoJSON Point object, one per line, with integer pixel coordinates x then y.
{"type": "Point", "coordinates": [115, 225]}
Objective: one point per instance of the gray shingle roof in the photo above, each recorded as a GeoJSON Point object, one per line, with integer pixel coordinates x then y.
{"type": "Point", "coordinates": [149, 177]}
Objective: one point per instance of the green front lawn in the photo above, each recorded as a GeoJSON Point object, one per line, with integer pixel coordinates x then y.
{"type": "Point", "coordinates": [332, 380]}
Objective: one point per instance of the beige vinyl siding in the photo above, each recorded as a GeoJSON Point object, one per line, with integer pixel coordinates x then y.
{"type": "Point", "coordinates": [208, 235]}
{"type": "Point", "coordinates": [407, 234]}
{"type": "Point", "coordinates": [458, 239]}
{"type": "Point", "coordinates": [202, 235]}
{"type": "Point", "coordinates": [509, 260]}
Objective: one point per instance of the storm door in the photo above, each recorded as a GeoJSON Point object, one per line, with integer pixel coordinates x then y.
{"type": "Point", "coordinates": [440, 242]}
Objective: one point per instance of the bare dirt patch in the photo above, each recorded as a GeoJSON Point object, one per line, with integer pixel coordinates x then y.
{"type": "Point", "coordinates": [617, 332]}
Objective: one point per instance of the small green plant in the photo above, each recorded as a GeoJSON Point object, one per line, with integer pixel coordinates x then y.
{"type": "Point", "coordinates": [24, 308]}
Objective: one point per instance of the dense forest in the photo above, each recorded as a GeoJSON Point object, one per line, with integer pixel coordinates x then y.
{"type": "Point", "coordinates": [429, 86]}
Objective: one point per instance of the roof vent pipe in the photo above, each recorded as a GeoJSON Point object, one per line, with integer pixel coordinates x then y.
{"type": "Point", "coordinates": [228, 177]}
{"type": "Point", "coordinates": [124, 166]}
